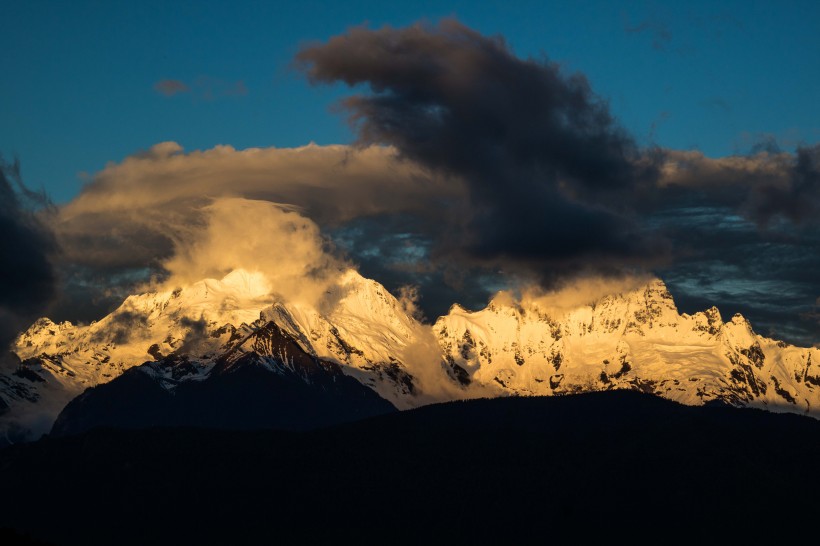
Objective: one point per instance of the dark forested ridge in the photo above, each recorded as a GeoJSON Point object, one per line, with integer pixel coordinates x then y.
{"type": "Point", "coordinates": [574, 468]}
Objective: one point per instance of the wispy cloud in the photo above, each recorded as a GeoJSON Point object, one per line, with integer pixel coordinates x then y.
{"type": "Point", "coordinates": [169, 88]}
{"type": "Point", "coordinates": [204, 88]}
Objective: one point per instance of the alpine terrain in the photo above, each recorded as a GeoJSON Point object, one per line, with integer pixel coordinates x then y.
{"type": "Point", "coordinates": [231, 353]}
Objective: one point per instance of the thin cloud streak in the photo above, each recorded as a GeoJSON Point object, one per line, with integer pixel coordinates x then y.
{"type": "Point", "coordinates": [204, 88]}
{"type": "Point", "coordinates": [169, 88]}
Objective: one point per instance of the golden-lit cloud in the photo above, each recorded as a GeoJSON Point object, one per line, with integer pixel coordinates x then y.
{"type": "Point", "coordinates": [259, 237]}
{"type": "Point", "coordinates": [131, 212]}
{"type": "Point", "coordinates": [577, 292]}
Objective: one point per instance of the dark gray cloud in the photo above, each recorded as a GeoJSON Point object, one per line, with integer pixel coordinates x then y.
{"type": "Point", "coordinates": [746, 235]}
{"type": "Point", "coordinates": [549, 172]}
{"type": "Point", "coordinates": [766, 186]}
{"type": "Point", "coordinates": [556, 187]}
{"type": "Point", "coordinates": [395, 250]}
{"type": "Point", "coordinates": [27, 280]}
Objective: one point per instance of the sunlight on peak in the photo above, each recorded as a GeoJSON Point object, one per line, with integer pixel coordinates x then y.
{"type": "Point", "coordinates": [250, 283]}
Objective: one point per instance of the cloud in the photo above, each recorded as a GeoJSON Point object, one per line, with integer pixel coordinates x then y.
{"type": "Point", "coordinates": [259, 237]}
{"type": "Point", "coordinates": [763, 187]}
{"type": "Point", "coordinates": [555, 188]}
{"type": "Point", "coordinates": [724, 259]}
{"type": "Point", "coordinates": [27, 279]}
{"type": "Point", "coordinates": [204, 87]}
{"type": "Point", "coordinates": [121, 328]}
{"type": "Point", "coordinates": [574, 293]}
{"type": "Point", "coordinates": [169, 88]}
{"type": "Point", "coordinates": [544, 162]}
{"type": "Point", "coordinates": [475, 171]}
{"type": "Point", "coordinates": [132, 216]}
{"type": "Point", "coordinates": [131, 213]}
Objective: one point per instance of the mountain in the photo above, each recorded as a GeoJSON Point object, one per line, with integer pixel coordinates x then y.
{"type": "Point", "coordinates": [637, 340]}
{"type": "Point", "coordinates": [615, 466]}
{"type": "Point", "coordinates": [177, 342]}
{"type": "Point", "coordinates": [182, 334]}
{"type": "Point", "coordinates": [264, 380]}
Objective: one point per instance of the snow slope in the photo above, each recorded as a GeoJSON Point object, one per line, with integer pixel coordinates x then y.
{"type": "Point", "coordinates": [634, 340]}
{"type": "Point", "coordinates": [357, 324]}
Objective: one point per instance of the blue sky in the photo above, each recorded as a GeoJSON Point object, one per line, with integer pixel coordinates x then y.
{"type": "Point", "coordinates": [89, 83]}
{"type": "Point", "coordinates": [79, 76]}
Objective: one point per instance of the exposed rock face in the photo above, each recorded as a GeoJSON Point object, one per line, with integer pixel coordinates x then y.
{"type": "Point", "coordinates": [635, 340]}
{"type": "Point", "coordinates": [185, 332]}
{"type": "Point", "coordinates": [265, 381]}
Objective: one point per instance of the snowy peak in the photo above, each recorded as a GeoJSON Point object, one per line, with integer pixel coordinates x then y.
{"type": "Point", "coordinates": [356, 324]}
{"type": "Point", "coordinates": [265, 380]}
{"type": "Point", "coordinates": [709, 321]}
{"type": "Point", "coordinates": [635, 339]}
{"type": "Point", "coordinates": [166, 318]}
{"type": "Point", "coordinates": [361, 326]}
{"type": "Point", "coordinates": [739, 332]}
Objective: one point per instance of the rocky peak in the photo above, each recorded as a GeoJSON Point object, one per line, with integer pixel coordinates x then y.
{"type": "Point", "coordinates": [635, 339]}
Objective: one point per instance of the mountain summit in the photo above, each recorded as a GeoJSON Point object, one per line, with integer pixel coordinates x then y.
{"type": "Point", "coordinates": [190, 337]}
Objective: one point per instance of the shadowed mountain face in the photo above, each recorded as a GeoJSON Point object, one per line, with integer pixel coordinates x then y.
{"type": "Point", "coordinates": [615, 465]}
{"type": "Point", "coordinates": [264, 381]}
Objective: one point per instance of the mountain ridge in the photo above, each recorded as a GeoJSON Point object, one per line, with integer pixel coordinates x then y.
{"type": "Point", "coordinates": [635, 339]}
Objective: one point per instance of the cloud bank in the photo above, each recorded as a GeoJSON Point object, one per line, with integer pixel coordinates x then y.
{"type": "Point", "coordinates": [546, 165]}
{"type": "Point", "coordinates": [556, 188]}
{"type": "Point", "coordinates": [763, 187]}
{"type": "Point", "coordinates": [27, 279]}
{"type": "Point", "coordinates": [474, 171]}
{"type": "Point", "coordinates": [128, 215]}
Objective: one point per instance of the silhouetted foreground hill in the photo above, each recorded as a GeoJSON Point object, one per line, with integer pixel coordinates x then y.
{"type": "Point", "coordinates": [618, 465]}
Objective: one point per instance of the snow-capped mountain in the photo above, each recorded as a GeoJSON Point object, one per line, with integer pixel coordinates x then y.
{"type": "Point", "coordinates": [634, 340]}
{"type": "Point", "coordinates": [356, 324]}
{"type": "Point", "coordinates": [262, 379]}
